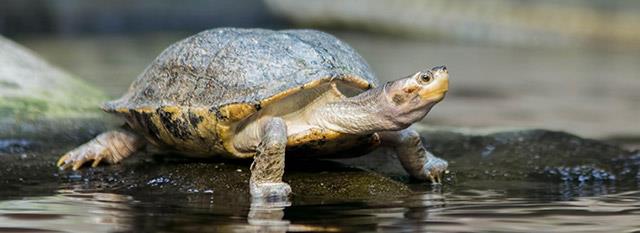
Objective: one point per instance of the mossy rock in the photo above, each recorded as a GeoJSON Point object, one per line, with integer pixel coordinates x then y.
{"type": "Point", "coordinates": [40, 100]}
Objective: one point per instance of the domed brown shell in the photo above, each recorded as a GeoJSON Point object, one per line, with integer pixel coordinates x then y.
{"type": "Point", "coordinates": [225, 66]}
{"type": "Point", "coordinates": [198, 87]}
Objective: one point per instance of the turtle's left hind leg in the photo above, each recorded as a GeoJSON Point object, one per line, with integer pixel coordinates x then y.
{"type": "Point", "coordinates": [110, 147]}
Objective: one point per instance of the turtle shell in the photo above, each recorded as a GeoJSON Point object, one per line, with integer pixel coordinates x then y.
{"type": "Point", "coordinates": [197, 88]}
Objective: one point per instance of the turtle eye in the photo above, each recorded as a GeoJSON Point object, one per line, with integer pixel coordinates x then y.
{"type": "Point", "coordinates": [425, 77]}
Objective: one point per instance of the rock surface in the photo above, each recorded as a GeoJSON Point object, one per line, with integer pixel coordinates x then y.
{"type": "Point", "coordinates": [35, 172]}
{"type": "Point", "coordinates": [519, 155]}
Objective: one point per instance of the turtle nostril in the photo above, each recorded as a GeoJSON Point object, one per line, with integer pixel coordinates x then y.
{"type": "Point", "coordinates": [438, 68]}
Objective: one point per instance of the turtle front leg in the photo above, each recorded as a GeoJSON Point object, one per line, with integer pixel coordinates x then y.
{"type": "Point", "coordinates": [268, 164]}
{"type": "Point", "coordinates": [110, 147]}
{"type": "Point", "coordinates": [415, 159]}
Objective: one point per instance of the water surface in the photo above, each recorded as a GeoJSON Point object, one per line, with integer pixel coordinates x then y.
{"type": "Point", "coordinates": [516, 207]}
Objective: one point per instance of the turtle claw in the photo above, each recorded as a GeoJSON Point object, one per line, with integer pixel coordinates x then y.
{"type": "Point", "coordinates": [436, 179]}
{"type": "Point", "coordinates": [96, 162]}
{"type": "Point", "coordinates": [62, 160]}
{"type": "Point", "coordinates": [76, 158]}
{"type": "Point", "coordinates": [64, 166]}
{"type": "Point", "coordinates": [66, 161]}
{"type": "Point", "coordinates": [433, 179]}
{"type": "Point", "coordinates": [435, 169]}
{"type": "Point", "coordinates": [77, 165]}
{"type": "Point", "coordinates": [74, 162]}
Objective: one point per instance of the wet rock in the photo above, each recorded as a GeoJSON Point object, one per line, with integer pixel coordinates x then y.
{"type": "Point", "coordinates": [525, 155]}
{"type": "Point", "coordinates": [15, 145]}
{"type": "Point", "coordinates": [312, 181]}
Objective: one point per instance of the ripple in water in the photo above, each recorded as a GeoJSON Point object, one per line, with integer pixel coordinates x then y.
{"type": "Point", "coordinates": [67, 212]}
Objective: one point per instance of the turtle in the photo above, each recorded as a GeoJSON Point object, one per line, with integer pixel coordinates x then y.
{"type": "Point", "coordinates": [260, 94]}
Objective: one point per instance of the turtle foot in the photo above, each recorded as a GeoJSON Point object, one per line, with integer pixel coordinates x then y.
{"type": "Point", "coordinates": [270, 190]}
{"type": "Point", "coordinates": [89, 152]}
{"type": "Point", "coordinates": [435, 169]}
{"type": "Point", "coordinates": [110, 147]}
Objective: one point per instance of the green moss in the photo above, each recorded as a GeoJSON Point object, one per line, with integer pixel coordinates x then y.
{"type": "Point", "coordinates": [73, 99]}
{"type": "Point", "coordinates": [22, 107]}
{"type": "Point", "coordinates": [8, 84]}
{"type": "Point", "coordinates": [30, 108]}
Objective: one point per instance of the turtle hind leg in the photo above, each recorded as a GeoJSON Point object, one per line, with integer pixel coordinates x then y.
{"type": "Point", "coordinates": [415, 159]}
{"type": "Point", "coordinates": [109, 147]}
{"type": "Point", "coordinates": [267, 168]}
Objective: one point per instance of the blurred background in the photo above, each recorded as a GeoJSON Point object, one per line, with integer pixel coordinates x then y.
{"type": "Point", "coordinates": [563, 65]}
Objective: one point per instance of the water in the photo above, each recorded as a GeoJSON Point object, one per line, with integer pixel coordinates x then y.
{"type": "Point", "coordinates": [538, 208]}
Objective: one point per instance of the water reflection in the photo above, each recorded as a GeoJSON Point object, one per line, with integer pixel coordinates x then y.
{"type": "Point", "coordinates": [461, 209]}
{"type": "Point", "coordinates": [488, 211]}
{"type": "Point", "coordinates": [68, 211]}
{"type": "Point", "coordinates": [267, 215]}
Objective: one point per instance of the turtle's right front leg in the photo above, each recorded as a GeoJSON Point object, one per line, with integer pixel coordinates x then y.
{"type": "Point", "coordinates": [268, 164]}
{"type": "Point", "coordinates": [110, 147]}
{"type": "Point", "coordinates": [418, 162]}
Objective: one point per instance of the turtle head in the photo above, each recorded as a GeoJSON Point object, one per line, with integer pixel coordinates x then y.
{"type": "Point", "coordinates": [419, 89]}
{"type": "Point", "coordinates": [411, 98]}
{"type": "Point", "coordinates": [394, 106]}
{"type": "Point", "coordinates": [432, 84]}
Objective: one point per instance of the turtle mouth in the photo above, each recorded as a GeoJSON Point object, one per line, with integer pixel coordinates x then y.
{"type": "Point", "coordinates": [437, 89]}
{"type": "Point", "coordinates": [436, 96]}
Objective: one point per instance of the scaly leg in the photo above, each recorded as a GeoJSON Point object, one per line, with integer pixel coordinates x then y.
{"type": "Point", "coordinates": [110, 147]}
{"type": "Point", "coordinates": [268, 164]}
{"type": "Point", "coordinates": [418, 162]}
